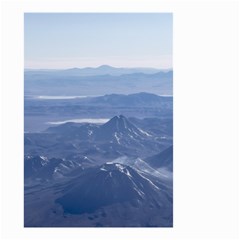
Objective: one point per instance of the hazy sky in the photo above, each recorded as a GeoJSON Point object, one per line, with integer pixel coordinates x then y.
{"type": "Point", "coordinates": [66, 40]}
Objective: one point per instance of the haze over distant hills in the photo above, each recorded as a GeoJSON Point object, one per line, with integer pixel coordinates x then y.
{"type": "Point", "coordinates": [91, 71]}
{"type": "Point", "coordinates": [97, 81]}
{"type": "Point", "coordinates": [39, 111]}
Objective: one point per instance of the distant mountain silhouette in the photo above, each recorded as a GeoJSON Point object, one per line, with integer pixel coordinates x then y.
{"type": "Point", "coordinates": [93, 71]}
{"type": "Point", "coordinates": [98, 81]}
{"type": "Point", "coordinates": [141, 99]}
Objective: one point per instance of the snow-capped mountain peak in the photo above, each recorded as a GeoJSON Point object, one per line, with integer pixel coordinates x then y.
{"type": "Point", "coordinates": [120, 129]}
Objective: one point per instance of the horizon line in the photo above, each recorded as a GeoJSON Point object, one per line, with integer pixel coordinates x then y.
{"type": "Point", "coordinates": [104, 65]}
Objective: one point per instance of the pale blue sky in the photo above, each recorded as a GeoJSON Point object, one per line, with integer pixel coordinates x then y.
{"type": "Point", "coordinates": [65, 40]}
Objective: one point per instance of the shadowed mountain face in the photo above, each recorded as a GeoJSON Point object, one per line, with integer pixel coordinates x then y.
{"type": "Point", "coordinates": [43, 169]}
{"type": "Point", "coordinates": [109, 184]}
{"type": "Point", "coordinates": [162, 160]}
{"type": "Point", "coordinates": [112, 194]}
{"type": "Point", "coordinates": [32, 165]}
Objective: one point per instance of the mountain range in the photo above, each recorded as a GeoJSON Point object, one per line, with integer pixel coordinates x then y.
{"type": "Point", "coordinates": [101, 81]}
{"type": "Point", "coordinates": [90, 71]}
{"type": "Point", "coordinates": [96, 175]}
{"type": "Point", "coordinates": [113, 174]}
{"type": "Point", "coordinates": [39, 111]}
{"type": "Point", "coordinates": [118, 137]}
{"type": "Point", "coordinates": [142, 99]}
